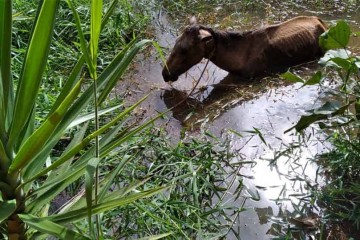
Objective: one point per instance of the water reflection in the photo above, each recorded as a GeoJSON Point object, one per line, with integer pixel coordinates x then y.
{"type": "Point", "coordinates": [209, 103]}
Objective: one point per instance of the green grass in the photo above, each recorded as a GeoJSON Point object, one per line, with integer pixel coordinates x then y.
{"type": "Point", "coordinates": [111, 163]}
{"type": "Point", "coordinates": [194, 170]}
{"type": "Point", "coordinates": [129, 20]}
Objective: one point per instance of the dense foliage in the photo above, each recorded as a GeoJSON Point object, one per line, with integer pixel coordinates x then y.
{"type": "Point", "coordinates": [64, 172]}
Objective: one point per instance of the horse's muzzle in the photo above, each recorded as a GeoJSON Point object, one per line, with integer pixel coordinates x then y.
{"type": "Point", "coordinates": [169, 77]}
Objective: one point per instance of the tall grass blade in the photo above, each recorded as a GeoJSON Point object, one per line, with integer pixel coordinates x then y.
{"type": "Point", "coordinates": [116, 142]}
{"type": "Point", "coordinates": [155, 237]}
{"type": "Point", "coordinates": [80, 214]}
{"type": "Point", "coordinates": [89, 185]}
{"type": "Point", "coordinates": [73, 78]}
{"type": "Point", "coordinates": [127, 56]}
{"type": "Point", "coordinates": [95, 27]}
{"type": "Point", "coordinates": [36, 141]}
{"type": "Point", "coordinates": [90, 116]}
{"type": "Point", "coordinates": [51, 228]}
{"type": "Point", "coordinates": [78, 137]}
{"type": "Point", "coordinates": [48, 191]}
{"type": "Point", "coordinates": [83, 42]}
{"type": "Point", "coordinates": [105, 186]}
{"type": "Point", "coordinates": [111, 73]}
{"type": "Point", "coordinates": [33, 68]}
{"type": "Point", "coordinates": [125, 190]}
{"type": "Point", "coordinates": [6, 86]}
{"type": "Point", "coordinates": [75, 149]}
{"type": "Point", "coordinates": [76, 71]}
{"type": "Point", "coordinates": [110, 178]}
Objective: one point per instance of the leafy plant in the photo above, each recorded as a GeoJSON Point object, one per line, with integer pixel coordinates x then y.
{"type": "Point", "coordinates": [340, 60]}
{"type": "Point", "coordinates": [194, 205]}
{"type": "Point", "coordinates": [341, 193]}
{"type": "Point", "coordinates": [31, 177]}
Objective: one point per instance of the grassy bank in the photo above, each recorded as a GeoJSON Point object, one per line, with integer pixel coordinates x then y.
{"type": "Point", "coordinates": [127, 22]}
{"type": "Point", "coordinates": [72, 169]}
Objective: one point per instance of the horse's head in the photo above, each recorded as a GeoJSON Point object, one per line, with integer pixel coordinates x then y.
{"type": "Point", "coordinates": [190, 48]}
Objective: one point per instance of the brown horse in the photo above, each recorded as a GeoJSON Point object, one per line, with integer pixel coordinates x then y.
{"type": "Point", "coordinates": [248, 54]}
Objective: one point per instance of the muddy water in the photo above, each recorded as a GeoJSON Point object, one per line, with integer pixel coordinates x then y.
{"type": "Point", "coordinates": [222, 103]}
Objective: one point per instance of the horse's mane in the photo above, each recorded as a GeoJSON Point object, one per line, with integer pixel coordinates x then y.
{"type": "Point", "coordinates": [225, 34]}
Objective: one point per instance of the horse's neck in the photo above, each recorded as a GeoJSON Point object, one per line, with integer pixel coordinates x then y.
{"type": "Point", "coordinates": [230, 49]}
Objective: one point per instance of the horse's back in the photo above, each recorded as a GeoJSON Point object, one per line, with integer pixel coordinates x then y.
{"type": "Point", "coordinates": [294, 41]}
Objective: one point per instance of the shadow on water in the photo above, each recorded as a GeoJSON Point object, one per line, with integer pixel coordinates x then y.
{"type": "Point", "coordinates": [271, 189]}
{"type": "Point", "coordinates": [210, 102]}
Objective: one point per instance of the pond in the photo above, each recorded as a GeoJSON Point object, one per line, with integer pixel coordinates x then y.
{"type": "Point", "coordinates": [259, 111]}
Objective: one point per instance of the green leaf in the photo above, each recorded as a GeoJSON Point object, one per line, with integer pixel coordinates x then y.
{"type": "Point", "coordinates": [105, 186]}
{"type": "Point", "coordinates": [87, 117]}
{"type": "Point", "coordinates": [73, 78]}
{"type": "Point", "coordinates": [36, 141]}
{"type": "Point", "coordinates": [258, 132]}
{"type": "Point", "coordinates": [306, 121]}
{"type": "Point", "coordinates": [79, 214]}
{"type": "Point", "coordinates": [329, 109]}
{"type": "Point", "coordinates": [78, 137]}
{"type": "Point", "coordinates": [6, 209]}
{"type": "Point", "coordinates": [33, 68]}
{"type": "Point", "coordinates": [122, 138]}
{"type": "Point", "coordinates": [108, 196]}
{"type": "Point", "coordinates": [291, 77]}
{"type": "Point", "coordinates": [49, 227]}
{"type": "Point", "coordinates": [47, 192]}
{"type": "Point", "coordinates": [6, 85]}
{"type": "Point", "coordinates": [95, 27]}
{"type": "Point", "coordinates": [315, 79]}
{"type": "Point", "coordinates": [75, 73]}
{"type": "Point", "coordinates": [110, 177]}
{"type": "Point", "coordinates": [75, 149]}
{"type": "Point", "coordinates": [57, 184]}
{"type": "Point", "coordinates": [326, 60]}
{"type": "Point", "coordinates": [342, 63]}
{"type": "Point", "coordinates": [111, 74]}
{"type": "Point", "coordinates": [89, 184]}
{"type": "Point", "coordinates": [83, 42]}
{"type": "Point", "coordinates": [155, 237]}
{"type": "Point", "coordinates": [336, 37]}
{"type": "Point", "coordinates": [124, 58]}
{"type": "Point", "coordinates": [4, 159]}
{"type": "Point", "coordinates": [161, 54]}
{"type": "Point", "coordinates": [123, 191]}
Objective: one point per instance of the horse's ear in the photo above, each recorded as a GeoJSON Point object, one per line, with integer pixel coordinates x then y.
{"type": "Point", "coordinates": [193, 20]}
{"type": "Point", "coordinates": [204, 35]}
